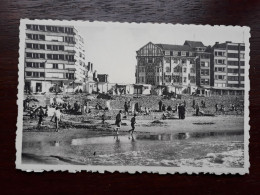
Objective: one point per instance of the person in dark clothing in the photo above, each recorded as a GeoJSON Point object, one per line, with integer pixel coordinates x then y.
{"type": "Point", "coordinates": [193, 104]}
{"type": "Point", "coordinates": [136, 107]}
{"type": "Point", "coordinates": [179, 111]}
{"type": "Point", "coordinates": [216, 106]}
{"type": "Point", "coordinates": [163, 108]}
{"type": "Point", "coordinates": [160, 105]}
{"type": "Point", "coordinates": [183, 112]}
{"type": "Point", "coordinates": [126, 108]}
{"type": "Point", "coordinates": [133, 121]}
{"type": "Point", "coordinates": [197, 109]}
{"type": "Point", "coordinates": [41, 115]}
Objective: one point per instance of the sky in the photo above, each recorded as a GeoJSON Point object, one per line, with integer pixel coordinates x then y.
{"type": "Point", "coordinates": [111, 47]}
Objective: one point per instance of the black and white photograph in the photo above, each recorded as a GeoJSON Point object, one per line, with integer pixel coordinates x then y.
{"type": "Point", "coordinates": [133, 97]}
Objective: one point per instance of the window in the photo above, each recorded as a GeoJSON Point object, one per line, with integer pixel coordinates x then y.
{"type": "Point", "coordinates": [49, 56]}
{"type": "Point", "coordinates": [242, 63]}
{"type": "Point", "coordinates": [242, 78]}
{"type": "Point", "coordinates": [35, 46]}
{"type": "Point", "coordinates": [232, 78]}
{"type": "Point", "coordinates": [220, 53]}
{"type": "Point", "coordinates": [232, 70]}
{"type": "Point", "coordinates": [29, 74]}
{"type": "Point", "coordinates": [183, 53]}
{"type": "Point", "coordinates": [233, 63]}
{"type": "Point", "coordinates": [204, 72]}
{"type": "Point", "coordinates": [167, 60]}
{"type": "Point", "coordinates": [220, 61]}
{"type": "Point", "coordinates": [55, 47]}
{"type": "Point", "coordinates": [168, 69]}
{"type": "Point", "coordinates": [150, 60]}
{"type": "Point", "coordinates": [61, 29]}
{"type": "Point", "coordinates": [28, 64]}
{"type": "Point", "coordinates": [242, 48]}
{"type": "Point", "coordinates": [204, 64]}
{"type": "Point", "coordinates": [204, 81]}
{"type": "Point", "coordinates": [42, 46]}
{"type": "Point", "coordinates": [167, 53]}
{"type": "Point", "coordinates": [35, 27]}
{"type": "Point", "coordinates": [61, 57]}
{"type": "Point", "coordinates": [184, 69]}
{"type": "Point", "coordinates": [42, 55]}
{"type": "Point", "coordinates": [55, 66]}
{"type": "Point", "coordinates": [35, 65]}
{"type": "Point", "coordinates": [70, 58]}
{"type": "Point", "coordinates": [36, 55]}
{"type": "Point", "coordinates": [42, 28]}
{"type": "Point", "coordinates": [29, 26]}
{"type": "Point", "coordinates": [42, 74]}
{"type": "Point", "coordinates": [42, 65]}
{"type": "Point", "coordinates": [183, 61]}
{"type": "Point", "coordinates": [233, 55]}
{"type": "Point", "coordinates": [35, 74]}
{"type": "Point", "coordinates": [184, 79]}
{"type": "Point", "coordinates": [29, 36]}
{"type": "Point", "coordinates": [175, 60]}
{"type": "Point", "coordinates": [28, 45]}
{"type": "Point", "coordinates": [242, 71]}
{"type": "Point", "coordinates": [28, 55]}
{"type": "Point", "coordinates": [220, 69]}
{"type": "Point", "coordinates": [220, 77]}
{"type": "Point", "coordinates": [242, 56]}
{"type": "Point", "coordinates": [55, 56]}
{"type": "Point", "coordinates": [41, 37]}
{"type": "Point", "coordinates": [232, 47]}
{"type": "Point", "coordinates": [61, 47]}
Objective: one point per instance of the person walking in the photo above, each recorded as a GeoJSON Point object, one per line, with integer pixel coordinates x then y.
{"type": "Point", "coordinates": [133, 121]}
{"type": "Point", "coordinates": [57, 117]}
{"type": "Point", "coordinates": [118, 121]}
{"type": "Point", "coordinates": [193, 103]}
{"type": "Point", "coordinates": [160, 105]}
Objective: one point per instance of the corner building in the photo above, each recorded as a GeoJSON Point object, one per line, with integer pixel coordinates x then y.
{"type": "Point", "coordinates": [54, 55]}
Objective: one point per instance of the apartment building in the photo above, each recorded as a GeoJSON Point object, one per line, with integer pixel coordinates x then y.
{"type": "Point", "coordinates": [54, 55]}
{"type": "Point", "coordinates": [228, 61]}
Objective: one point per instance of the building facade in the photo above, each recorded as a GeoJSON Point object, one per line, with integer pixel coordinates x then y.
{"type": "Point", "coordinates": [193, 67]}
{"type": "Point", "coordinates": [54, 55]}
{"type": "Point", "coordinates": [228, 61]}
{"type": "Point", "coordinates": [166, 65]}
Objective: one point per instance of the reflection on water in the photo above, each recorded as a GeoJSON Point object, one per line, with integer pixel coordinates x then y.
{"type": "Point", "coordinates": [139, 149]}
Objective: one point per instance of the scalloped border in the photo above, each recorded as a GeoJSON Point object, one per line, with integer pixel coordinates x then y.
{"type": "Point", "coordinates": [127, 169]}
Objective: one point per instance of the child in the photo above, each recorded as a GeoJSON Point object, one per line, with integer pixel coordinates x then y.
{"type": "Point", "coordinates": [132, 125]}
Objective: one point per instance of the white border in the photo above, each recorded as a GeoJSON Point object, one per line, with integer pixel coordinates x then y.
{"type": "Point", "coordinates": [128, 169]}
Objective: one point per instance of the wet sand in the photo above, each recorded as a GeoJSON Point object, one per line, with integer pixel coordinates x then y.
{"type": "Point", "coordinates": [195, 141]}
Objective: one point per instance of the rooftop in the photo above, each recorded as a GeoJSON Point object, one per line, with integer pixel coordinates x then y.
{"type": "Point", "coordinates": [174, 47]}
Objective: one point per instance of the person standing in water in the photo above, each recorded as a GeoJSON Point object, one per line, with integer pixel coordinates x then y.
{"type": "Point", "coordinates": [133, 121]}
{"type": "Point", "coordinates": [118, 121]}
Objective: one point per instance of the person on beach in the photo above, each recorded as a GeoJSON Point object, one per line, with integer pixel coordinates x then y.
{"type": "Point", "coordinates": [179, 110]}
{"type": "Point", "coordinates": [216, 106]}
{"type": "Point", "coordinates": [57, 117]}
{"type": "Point", "coordinates": [126, 108]}
{"type": "Point", "coordinates": [118, 121]}
{"type": "Point", "coordinates": [41, 115]}
{"type": "Point", "coordinates": [160, 105]}
{"type": "Point", "coordinates": [197, 109]}
{"type": "Point", "coordinates": [133, 121]}
{"type": "Point", "coordinates": [193, 103]}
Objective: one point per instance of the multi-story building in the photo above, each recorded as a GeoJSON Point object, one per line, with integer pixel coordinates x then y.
{"type": "Point", "coordinates": [167, 65]}
{"type": "Point", "coordinates": [228, 62]}
{"type": "Point", "coordinates": [193, 67]}
{"type": "Point", "coordinates": [54, 55]}
{"type": "Point", "coordinates": [202, 64]}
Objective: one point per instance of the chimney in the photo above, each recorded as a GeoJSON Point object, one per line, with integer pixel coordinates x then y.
{"type": "Point", "coordinates": [91, 67]}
